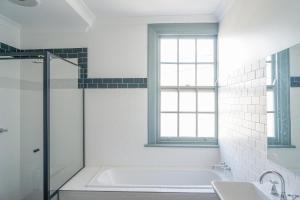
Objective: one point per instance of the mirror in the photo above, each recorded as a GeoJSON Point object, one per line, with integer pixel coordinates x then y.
{"type": "Point", "coordinates": [283, 108]}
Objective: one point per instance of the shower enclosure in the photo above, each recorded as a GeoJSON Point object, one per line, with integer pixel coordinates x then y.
{"type": "Point", "coordinates": [41, 124]}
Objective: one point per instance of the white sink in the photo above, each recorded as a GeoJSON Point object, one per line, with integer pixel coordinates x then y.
{"type": "Point", "coordinates": [228, 190]}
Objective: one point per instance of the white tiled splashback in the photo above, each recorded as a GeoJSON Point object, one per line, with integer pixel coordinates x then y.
{"type": "Point", "coordinates": [242, 125]}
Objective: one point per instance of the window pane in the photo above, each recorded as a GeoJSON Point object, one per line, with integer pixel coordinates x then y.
{"type": "Point", "coordinates": [168, 101]}
{"type": "Point", "coordinates": [187, 75]}
{"type": "Point", "coordinates": [187, 101]}
{"type": "Point", "coordinates": [269, 73]}
{"type": "Point", "coordinates": [205, 50]}
{"type": "Point", "coordinates": [187, 125]}
{"type": "Point", "coordinates": [270, 101]}
{"type": "Point", "coordinates": [187, 50]}
{"type": "Point", "coordinates": [206, 125]}
{"type": "Point", "coordinates": [270, 125]}
{"type": "Point", "coordinates": [168, 75]}
{"type": "Point", "coordinates": [206, 101]}
{"type": "Point", "coordinates": [168, 125]}
{"type": "Point", "coordinates": [168, 50]}
{"type": "Point", "coordinates": [205, 75]}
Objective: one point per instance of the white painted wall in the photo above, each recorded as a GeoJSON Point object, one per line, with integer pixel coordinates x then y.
{"type": "Point", "coordinates": [10, 119]}
{"type": "Point", "coordinates": [116, 119]}
{"type": "Point", "coordinates": [117, 46]}
{"type": "Point", "coordinates": [9, 116]}
{"type": "Point", "coordinates": [250, 31]}
{"type": "Point", "coordinates": [116, 131]}
{"type": "Point", "coordinates": [9, 32]}
{"type": "Point", "coordinates": [254, 29]}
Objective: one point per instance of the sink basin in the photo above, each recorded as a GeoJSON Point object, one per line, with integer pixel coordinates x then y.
{"type": "Point", "coordinates": [227, 190]}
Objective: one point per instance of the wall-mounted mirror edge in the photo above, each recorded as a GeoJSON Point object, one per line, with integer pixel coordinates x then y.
{"type": "Point", "coordinates": [283, 107]}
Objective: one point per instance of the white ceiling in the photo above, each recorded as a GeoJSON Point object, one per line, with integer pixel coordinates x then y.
{"type": "Point", "coordinates": [152, 7]}
{"type": "Point", "coordinates": [48, 15]}
{"type": "Point", "coordinates": [60, 14]}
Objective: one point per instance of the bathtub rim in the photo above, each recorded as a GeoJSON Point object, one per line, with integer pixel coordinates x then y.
{"type": "Point", "coordinates": [155, 188]}
{"type": "Point", "coordinates": [79, 182]}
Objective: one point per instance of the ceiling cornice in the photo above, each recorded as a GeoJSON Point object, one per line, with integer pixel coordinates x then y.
{"type": "Point", "coordinates": [10, 22]}
{"type": "Point", "coordinates": [83, 11]}
{"type": "Point", "coordinates": [222, 8]}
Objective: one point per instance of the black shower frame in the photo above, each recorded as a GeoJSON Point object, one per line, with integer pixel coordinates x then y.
{"type": "Point", "coordinates": [47, 56]}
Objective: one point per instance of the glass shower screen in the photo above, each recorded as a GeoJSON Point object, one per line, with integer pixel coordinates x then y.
{"type": "Point", "coordinates": [41, 124]}
{"type": "Point", "coordinates": [21, 129]}
{"type": "Point", "coordinates": [66, 139]}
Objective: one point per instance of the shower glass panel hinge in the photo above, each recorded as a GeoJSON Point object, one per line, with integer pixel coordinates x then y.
{"type": "Point", "coordinates": [2, 130]}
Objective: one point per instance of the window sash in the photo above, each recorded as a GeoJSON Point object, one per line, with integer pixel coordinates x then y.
{"type": "Point", "coordinates": [196, 88]}
{"type": "Point", "coordinates": [272, 88]}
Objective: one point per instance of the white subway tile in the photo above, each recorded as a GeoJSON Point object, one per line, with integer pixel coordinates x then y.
{"type": "Point", "coordinates": [242, 125]}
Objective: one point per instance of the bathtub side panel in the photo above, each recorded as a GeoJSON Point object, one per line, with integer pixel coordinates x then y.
{"type": "Point", "coordinates": [89, 195]}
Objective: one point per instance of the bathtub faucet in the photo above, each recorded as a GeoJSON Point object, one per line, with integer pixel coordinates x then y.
{"type": "Point", "coordinates": [221, 165]}
{"type": "Point", "coordinates": [283, 194]}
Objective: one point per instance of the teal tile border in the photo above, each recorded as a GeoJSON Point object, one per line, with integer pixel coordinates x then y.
{"type": "Point", "coordinates": [295, 81]}
{"type": "Point", "coordinates": [84, 81]}
{"type": "Point", "coordinates": [115, 83]}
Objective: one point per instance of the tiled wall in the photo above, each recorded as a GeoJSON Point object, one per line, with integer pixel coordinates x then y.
{"type": "Point", "coordinates": [295, 81]}
{"type": "Point", "coordinates": [4, 48]}
{"type": "Point", "coordinates": [242, 125]}
{"type": "Point", "coordinates": [84, 81]}
{"type": "Point", "coordinates": [116, 83]}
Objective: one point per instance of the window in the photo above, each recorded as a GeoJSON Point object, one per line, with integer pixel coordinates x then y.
{"type": "Point", "coordinates": [278, 99]}
{"type": "Point", "coordinates": [182, 87]}
{"type": "Point", "coordinates": [270, 75]}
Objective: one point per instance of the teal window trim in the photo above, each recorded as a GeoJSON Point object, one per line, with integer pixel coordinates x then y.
{"type": "Point", "coordinates": [277, 146]}
{"type": "Point", "coordinates": [281, 90]}
{"type": "Point", "coordinates": [183, 145]}
{"type": "Point", "coordinates": [155, 32]}
{"type": "Point", "coordinates": [272, 88]}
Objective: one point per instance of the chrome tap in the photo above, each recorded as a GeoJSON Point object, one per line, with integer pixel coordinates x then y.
{"type": "Point", "coordinates": [274, 189]}
{"type": "Point", "coordinates": [283, 194]}
{"type": "Point", "coordinates": [221, 165]}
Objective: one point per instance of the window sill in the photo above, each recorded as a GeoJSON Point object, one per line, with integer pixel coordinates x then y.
{"type": "Point", "coordinates": [281, 146]}
{"type": "Point", "coordinates": [183, 145]}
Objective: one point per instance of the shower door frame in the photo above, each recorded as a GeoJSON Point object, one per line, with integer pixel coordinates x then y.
{"type": "Point", "coordinates": [46, 125]}
{"type": "Point", "coordinates": [46, 117]}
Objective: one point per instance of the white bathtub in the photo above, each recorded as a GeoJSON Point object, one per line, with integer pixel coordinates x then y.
{"type": "Point", "coordinates": [128, 183]}
{"type": "Point", "coordinates": [153, 178]}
